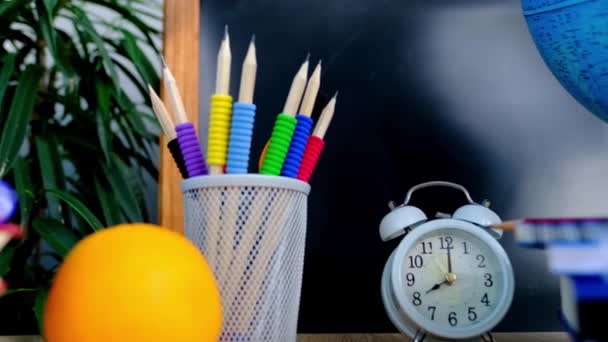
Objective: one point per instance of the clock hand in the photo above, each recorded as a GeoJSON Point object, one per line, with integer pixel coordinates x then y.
{"type": "Point", "coordinates": [449, 260]}
{"type": "Point", "coordinates": [450, 278]}
{"type": "Point", "coordinates": [436, 286]}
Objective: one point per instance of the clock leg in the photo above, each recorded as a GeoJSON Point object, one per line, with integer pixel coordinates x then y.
{"type": "Point", "coordinates": [488, 337]}
{"type": "Point", "coordinates": [420, 336]}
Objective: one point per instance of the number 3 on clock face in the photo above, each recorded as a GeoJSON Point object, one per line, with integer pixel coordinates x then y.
{"type": "Point", "coordinates": [452, 279]}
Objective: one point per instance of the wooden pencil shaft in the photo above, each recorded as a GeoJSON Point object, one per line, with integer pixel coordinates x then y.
{"type": "Point", "coordinates": [162, 115]}
{"type": "Point", "coordinates": [216, 170]}
{"type": "Point", "coordinates": [507, 225]}
{"type": "Point", "coordinates": [248, 74]}
{"type": "Point", "coordinates": [296, 90]}
{"type": "Point", "coordinates": [270, 226]}
{"type": "Point", "coordinates": [224, 60]}
{"type": "Point", "coordinates": [174, 97]}
{"type": "Point", "coordinates": [312, 89]}
{"type": "Point", "coordinates": [250, 227]}
{"type": "Point", "coordinates": [325, 118]}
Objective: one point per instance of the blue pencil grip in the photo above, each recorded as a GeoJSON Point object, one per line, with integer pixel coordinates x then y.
{"type": "Point", "coordinates": [241, 132]}
{"type": "Point", "coordinates": [291, 166]}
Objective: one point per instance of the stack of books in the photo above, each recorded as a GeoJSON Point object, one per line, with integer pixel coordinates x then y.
{"type": "Point", "coordinates": [577, 250]}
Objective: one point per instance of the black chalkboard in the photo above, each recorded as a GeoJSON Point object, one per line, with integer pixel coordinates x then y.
{"type": "Point", "coordinates": [429, 90]}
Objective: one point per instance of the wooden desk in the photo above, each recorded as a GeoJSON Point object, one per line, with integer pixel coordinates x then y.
{"type": "Point", "coordinates": [512, 337]}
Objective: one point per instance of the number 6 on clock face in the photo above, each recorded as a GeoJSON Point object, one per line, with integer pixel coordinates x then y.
{"type": "Point", "coordinates": [452, 279]}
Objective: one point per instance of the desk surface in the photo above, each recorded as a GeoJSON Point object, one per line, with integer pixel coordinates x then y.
{"type": "Point", "coordinates": [512, 337]}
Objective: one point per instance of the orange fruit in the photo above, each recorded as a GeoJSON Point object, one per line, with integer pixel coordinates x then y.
{"type": "Point", "coordinates": [135, 283]}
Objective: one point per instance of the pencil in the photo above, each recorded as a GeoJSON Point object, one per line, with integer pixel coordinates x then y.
{"type": "Point", "coordinates": [312, 89]}
{"type": "Point", "coordinates": [297, 89]}
{"type": "Point", "coordinates": [220, 110]}
{"type": "Point", "coordinates": [303, 126]}
{"type": "Point", "coordinates": [285, 125]}
{"type": "Point", "coordinates": [507, 225]}
{"type": "Point", "coordinates": [168, 129]}
{"type": "Point", "coordinates": [243, 116]}
{"type": "Point", "coordinates": [315, 143]}
{"type": "Point", "coordinates": [241, 132]}
{"type": "Point", "coordinates": [248, 74]}
{"type": "Point", "coordinates": [185, 131]}
{"type": "Point", "coordinates": [166, 124]}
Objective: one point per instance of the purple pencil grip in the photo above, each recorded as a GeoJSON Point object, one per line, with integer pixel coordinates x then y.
{"type": "Point", "coordinates": [191, 150]}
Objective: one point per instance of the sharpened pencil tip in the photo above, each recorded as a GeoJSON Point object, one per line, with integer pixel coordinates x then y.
{"type": "Point", "coordinates": [307, 57]}
{"type": "Point", "coordinates": [226, 31]}
{"type": "Point", "coordinates": [252, 39]}
{"type": "Point", "coordinates": [336, 95]}
{"type": "Point", "coordinates": [163, 61]}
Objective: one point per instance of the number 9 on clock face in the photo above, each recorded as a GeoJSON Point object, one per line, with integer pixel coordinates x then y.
{"type": "Point", "coordinates": [452, 279]}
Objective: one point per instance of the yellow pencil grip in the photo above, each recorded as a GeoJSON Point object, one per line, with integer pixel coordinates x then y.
{"type": "Point", "coordinates": [220, 113]}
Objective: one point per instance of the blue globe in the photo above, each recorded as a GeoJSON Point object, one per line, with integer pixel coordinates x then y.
{"type": "Point", "coordinates": [572, 37]}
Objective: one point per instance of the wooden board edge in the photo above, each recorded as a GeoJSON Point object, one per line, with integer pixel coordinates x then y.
{"type": "Point", "coordinates": [181, 52]}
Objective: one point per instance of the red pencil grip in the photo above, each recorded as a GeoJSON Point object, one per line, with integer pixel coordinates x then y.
{"type": "Point", "coordinates": [313, 150]}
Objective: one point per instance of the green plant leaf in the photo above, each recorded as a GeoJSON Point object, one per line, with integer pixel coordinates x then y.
{"type": "Point", "coordinates": [103, 118]}
{"type": "Point", "coordinates": [16, 124]}
{"type": "Point", "coordinates": [38, 308]}
{"type": "Point", "coordinates": [10, 8]}
{"type": "Point", "coordinates": [126, 14]}
{"type": "Point", "coordinates": [45, 16]}
{"type": "Point", "coordinates": [24, 188]}
{"type": "Point", "coordinates": [78, 206]}
{"type": "Point", "coordinates": [51, 170]}
{"type": "Point", "coordinates": [104, 134]}
{"type": "Point", "coordinates": [139, 59]}
{"type": "Point", "coordinates": [137, 124]}
{"type": "Point", "coordinates": [19, 290]}
{"type": "Point", "coordinates": [6, 72]}
{"type": "Point", "coordinates": [6, 256]}
{"type": "Point", "coordinates": [117, 175]}
{"type": "Point", "coordinates": [143, 161]}
{"type": "Point", "coordinates": [83, 21]}
{"type": "Point", "coordinates": [58, 236]}
{"type": "Point", "coordinates": [144, 10]}
{"type": "Point", "coordinates": [141, 87]}
{"type": "Point", "coordinates": [111, 211]}
{"type": "Point", "coordinates": [50, 5]}
{"type": "Point", "coordinates": [83, 43]}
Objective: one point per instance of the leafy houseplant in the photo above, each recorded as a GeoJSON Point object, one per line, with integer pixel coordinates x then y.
{"type": "Point", "coordinates": [73, 141]}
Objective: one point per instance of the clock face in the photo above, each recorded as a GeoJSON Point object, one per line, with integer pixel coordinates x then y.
{"type": "Point", "coordinates": [454, 282]}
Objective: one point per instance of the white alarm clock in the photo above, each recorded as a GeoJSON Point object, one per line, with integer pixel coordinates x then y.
{"type": "Point", "coordinates": [449, 278]}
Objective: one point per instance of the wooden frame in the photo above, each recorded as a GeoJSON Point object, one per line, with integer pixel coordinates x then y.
{"type": "Point", "coordinates": [181, 51]}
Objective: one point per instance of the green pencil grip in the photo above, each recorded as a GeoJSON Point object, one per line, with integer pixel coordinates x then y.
{"type": "Point", "coordinates": [278, 145]}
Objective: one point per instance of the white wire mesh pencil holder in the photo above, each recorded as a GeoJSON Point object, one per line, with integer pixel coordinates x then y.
{"type": "Point", "coordinates": [252, 231]}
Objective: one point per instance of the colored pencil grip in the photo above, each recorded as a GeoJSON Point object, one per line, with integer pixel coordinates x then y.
{"type": "Point", "coordinates": [314, 147]}
{"type": "Point", "coordinates": [278, 145]}
{"type": "Point", "coordinates": [219, 129]}
{"type": "Point", "coordinates": [297, 146]}
{"type": "Point", "coordinates": [173, 146]}
{"type": "Point", "coordinates": [191, 150]}
{"type": "Point", "coordinates": [241, 132]}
